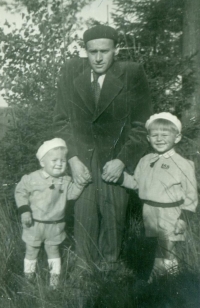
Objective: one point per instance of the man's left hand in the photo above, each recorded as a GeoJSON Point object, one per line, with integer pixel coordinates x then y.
{"type": "Point", "coordinates": [112, 170]}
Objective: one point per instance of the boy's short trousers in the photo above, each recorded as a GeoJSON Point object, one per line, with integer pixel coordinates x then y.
{"type": "Point", "coordinates": [160, 222]}
{"type": "Point", "coordinates": [50, 234]}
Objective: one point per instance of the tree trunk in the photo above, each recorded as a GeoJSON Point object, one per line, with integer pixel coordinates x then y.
{"type": "Point", "coordinates": [191, 47]}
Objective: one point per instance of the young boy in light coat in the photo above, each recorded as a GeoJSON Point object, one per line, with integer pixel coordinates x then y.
{"type": "Point", "coordinates": [41, 198]}
{"type": "Point", "coordinates": [167, 186]}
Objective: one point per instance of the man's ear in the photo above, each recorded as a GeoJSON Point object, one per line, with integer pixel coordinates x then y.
{"type": "Point", "coordinates": [178, 138]}
{"type": "Point", "coordinates": [148, 138]}
{"type": "Point", "coordinates": [116, 50]}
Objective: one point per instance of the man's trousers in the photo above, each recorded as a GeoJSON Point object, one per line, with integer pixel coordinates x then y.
{"type": "Point", "coordinates": [100, 214]}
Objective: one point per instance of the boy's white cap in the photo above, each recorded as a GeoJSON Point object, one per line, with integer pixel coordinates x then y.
{"type": "Point", "coordinates": [49, 145]}
{"type": "Point", "coordinates": [167, 116]}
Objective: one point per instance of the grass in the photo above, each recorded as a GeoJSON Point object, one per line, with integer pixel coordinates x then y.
{"type": "Point", "coordinates": [98, 290]}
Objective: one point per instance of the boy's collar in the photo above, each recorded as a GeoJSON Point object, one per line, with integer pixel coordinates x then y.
{"type": "Point", "coordinates": [45, 174]}
{"type": "Point", "coordinates": [167, 154]}
{"type": "Point", "coordinates": [52, 186]}
{"type": "Point", "coordinates": [157, 156]}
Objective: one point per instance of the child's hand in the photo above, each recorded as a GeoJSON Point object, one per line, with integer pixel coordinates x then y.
{"type": "Point", "coordinates": [80, 172]}
{"type": "Point", "coordinates": [26, 219]}
{"type": "Point", "coordinates": [180, 227]}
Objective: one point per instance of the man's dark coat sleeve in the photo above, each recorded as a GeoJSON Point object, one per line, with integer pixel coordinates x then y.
{"type": "Point", "coordinates": [136, 143]}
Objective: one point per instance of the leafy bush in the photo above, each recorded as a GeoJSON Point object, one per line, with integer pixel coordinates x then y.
{"type": "Point", "coordinates": [31, 59]}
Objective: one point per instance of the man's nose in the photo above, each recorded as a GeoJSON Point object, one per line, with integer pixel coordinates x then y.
{"type": "Point", "coordinates": [99, 56]}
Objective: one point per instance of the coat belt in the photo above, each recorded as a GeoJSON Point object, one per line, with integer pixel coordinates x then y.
{"type": "Point", "coordinates": [160, 204]}
{"type": "Point", "coordinates": [50, 221]}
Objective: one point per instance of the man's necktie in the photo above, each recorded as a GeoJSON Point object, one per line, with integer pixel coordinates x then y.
{"type": "Point", "coordinates": [96, 88]}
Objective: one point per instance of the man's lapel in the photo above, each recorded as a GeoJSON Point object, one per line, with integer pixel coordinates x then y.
{"type": "Point", "coordinates": [83, 85]}
{"type": "Point", "coordinates": [112, 85]}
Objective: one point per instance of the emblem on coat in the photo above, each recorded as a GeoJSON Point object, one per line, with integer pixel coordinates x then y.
{"type": "Point", "coordinates": [164, 166]}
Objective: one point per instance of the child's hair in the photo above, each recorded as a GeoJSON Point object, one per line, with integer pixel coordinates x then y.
{"type": "Point", "coordinates": [163, 124]}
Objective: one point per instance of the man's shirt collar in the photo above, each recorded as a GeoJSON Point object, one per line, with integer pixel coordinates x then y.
{"type": "Point", "coordinates": [100, 79]}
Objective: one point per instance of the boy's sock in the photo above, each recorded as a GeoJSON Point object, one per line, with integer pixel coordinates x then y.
{"type": "Point", "coordinates": [29, 269]}
{"type": "Point", "coordinates": [29, 265]}
{"type": "Point", "coordinates": [171, 266]}
{"type": "Point", "coordinates": [55, 269]}
{"type": "Point", "coordinates": [54, 266]}
{"type": "Point", "coordinates": [163, 266]}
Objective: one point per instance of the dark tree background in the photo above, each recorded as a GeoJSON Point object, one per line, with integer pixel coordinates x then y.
{"type": "Point", "coordinates": [162, 34]}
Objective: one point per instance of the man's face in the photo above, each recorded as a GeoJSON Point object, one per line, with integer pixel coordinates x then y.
{"type": "Point", "coordinates": [101, 54]}
{"type": "Point", "coordinates": [54, 162]}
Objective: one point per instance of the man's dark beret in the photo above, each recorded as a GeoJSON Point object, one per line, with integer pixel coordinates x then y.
{"type": "Point", "coordinates": [100, 31]}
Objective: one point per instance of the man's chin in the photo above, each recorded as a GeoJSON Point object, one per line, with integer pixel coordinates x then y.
{"type": "Point", "coordinates": [99, 70]}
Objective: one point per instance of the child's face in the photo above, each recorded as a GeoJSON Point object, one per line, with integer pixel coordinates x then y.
{"type": "Point", "coordinates": [54, 162]}
{"type": "Point", "coordinates": [163, 140]}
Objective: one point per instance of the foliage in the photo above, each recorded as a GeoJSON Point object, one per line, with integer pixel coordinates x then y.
{"type": "Point", "coordinates": [30, 62]}
{"type": "Point", "coordinates": [32, 56]}
{"type": "Point", "coordinates": [152, 31]}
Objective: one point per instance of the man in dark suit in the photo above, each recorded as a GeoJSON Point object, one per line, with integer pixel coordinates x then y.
{"type": "Point", "coordinates": [100, 109]}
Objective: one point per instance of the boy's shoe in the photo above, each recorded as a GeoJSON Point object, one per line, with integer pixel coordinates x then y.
{"type": "Point", "coordinates": [54, 281]}
{"type": "Point", "coordinates": [163, 267]}
{"type": "Point", "coordinates": [30, 277]}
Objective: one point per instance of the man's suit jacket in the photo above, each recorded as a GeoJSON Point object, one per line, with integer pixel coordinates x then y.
{"type": "Point", "coordinates": [114, 129]}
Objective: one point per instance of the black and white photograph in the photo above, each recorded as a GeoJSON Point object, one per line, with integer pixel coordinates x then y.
{"type": "Point", "coordinates": [99, 153]}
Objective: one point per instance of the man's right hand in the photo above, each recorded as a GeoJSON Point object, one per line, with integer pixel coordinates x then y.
{"type": "Point", "coordinates": [80, 172]}
{"type": "Point", "coordinates": [26, 219]}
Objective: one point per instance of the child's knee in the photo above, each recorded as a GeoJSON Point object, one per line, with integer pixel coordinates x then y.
{"type": "Point", "coordinates": [52, 251]}
{"type": "Point", "coordinates": [31, 252]}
